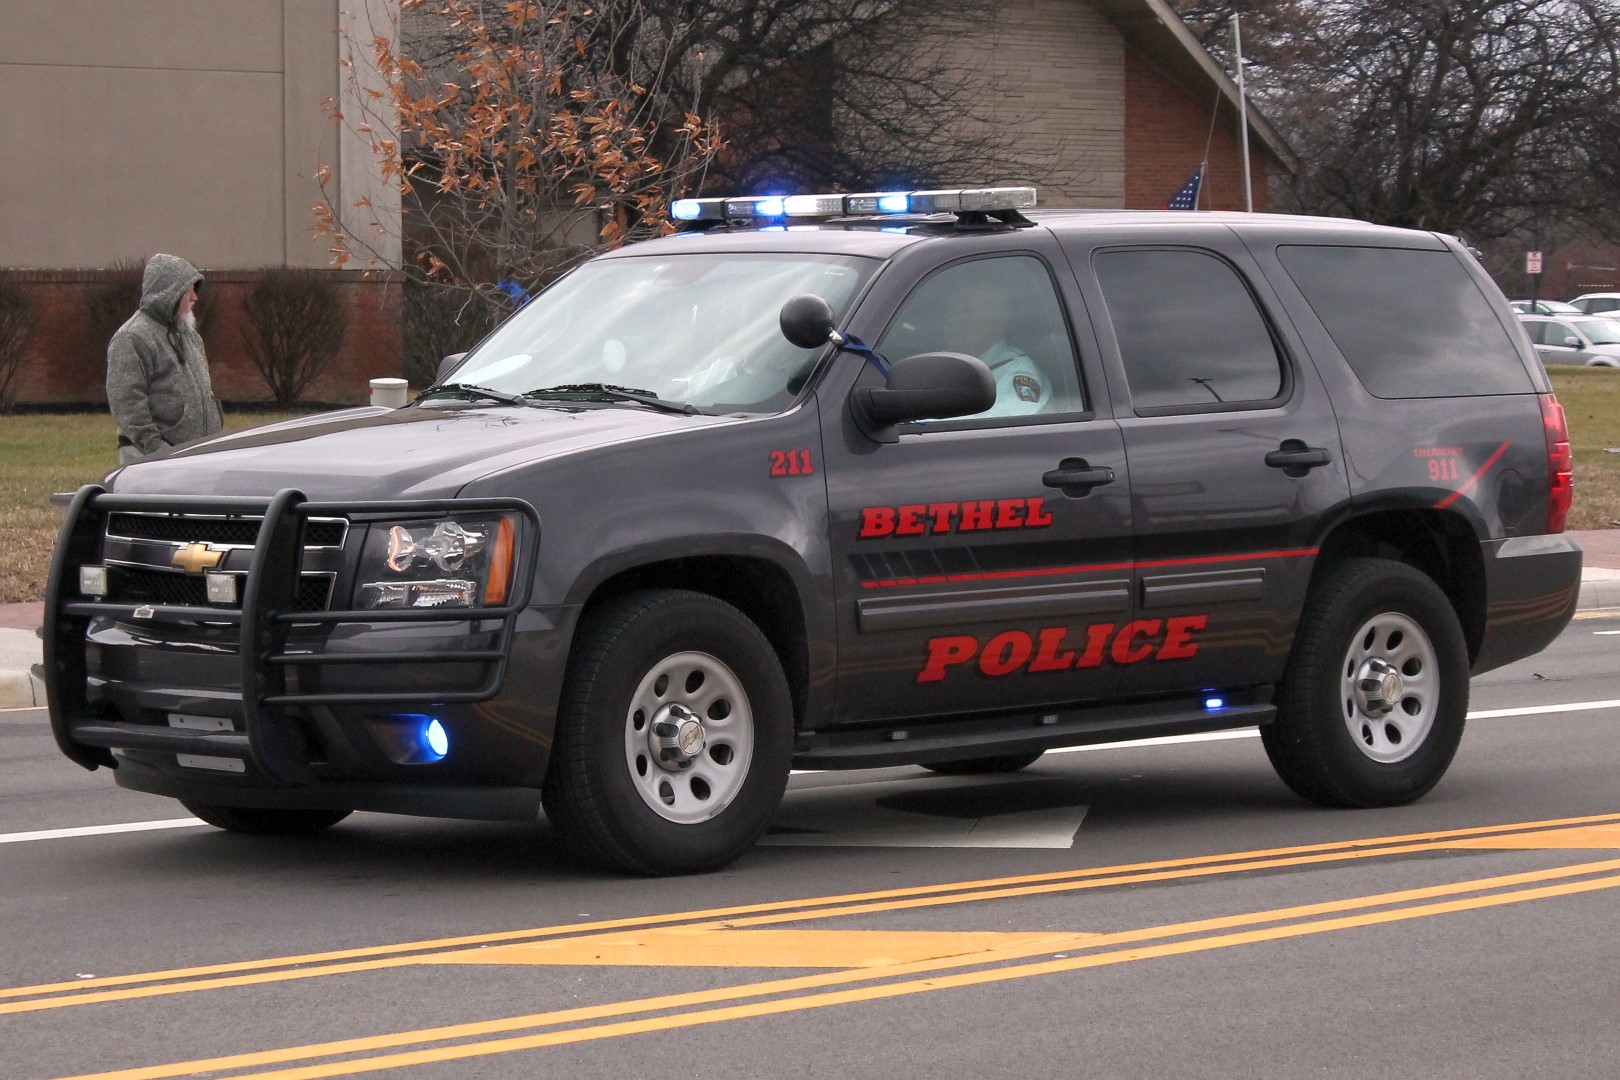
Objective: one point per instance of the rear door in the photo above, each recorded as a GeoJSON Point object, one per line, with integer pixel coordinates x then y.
{"type": "Point", "coordinates": [1233, 448]}
{"type": "Point", "coordinates": [982, 564]}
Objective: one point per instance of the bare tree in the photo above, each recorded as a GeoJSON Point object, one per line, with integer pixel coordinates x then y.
{"type": "Point", "coordinates": [515, 153]}
{"type": "Point", "coordinates": [1475, 117]}
{"type": "Point", "coordinates": [16, 330]}
{"type": "Point", "coordinates": [528, 134]}
{"type": "Point", "coordinates": [294, 323]}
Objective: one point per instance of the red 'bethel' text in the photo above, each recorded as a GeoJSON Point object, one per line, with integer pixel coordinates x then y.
{"type": "Point", "coordinates": [919, 519]}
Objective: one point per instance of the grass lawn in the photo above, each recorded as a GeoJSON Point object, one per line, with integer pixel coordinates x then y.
{"type": "Point", "coordinates": [40, 454]}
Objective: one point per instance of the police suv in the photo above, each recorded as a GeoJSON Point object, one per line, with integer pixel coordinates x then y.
{"type": "Point", "coordinates": [842, 481]}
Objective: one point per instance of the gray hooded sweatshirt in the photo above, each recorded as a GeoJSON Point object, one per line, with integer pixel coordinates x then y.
{"type": "Point", "coordinates": [157, 375]}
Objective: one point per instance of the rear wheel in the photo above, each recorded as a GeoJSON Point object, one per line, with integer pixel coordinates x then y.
{"type": "Point", "coordinates": [1376, 695]}
{"type": "Point", "coordinates": [982, 766]}
{"type": "Point", "coordinates": [261, 821]}
{"type": "Point", "coordinates": [675, 738]}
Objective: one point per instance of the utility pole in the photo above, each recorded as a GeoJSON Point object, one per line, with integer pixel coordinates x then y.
{"type": "Point", "coordinates": [1243, 114]}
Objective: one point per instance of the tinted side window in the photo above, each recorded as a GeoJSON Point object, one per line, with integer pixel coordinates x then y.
{"type": "Point", "coordinates": [1188, 329]}
{"type": "Point", "coordinates": [1005, 311]}
{"type": "Point", "coordinates": [1603, 303]}
{"type": "Point", "coordinates": [1537, 329]}
{"type": "Point", "coordinates": [1412, 324]}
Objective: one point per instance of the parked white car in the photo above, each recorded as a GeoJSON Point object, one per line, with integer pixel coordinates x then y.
{"type": "Point", "coordinates": [1591, 341]}
{"type": "Point", "coordinates": [1599, 303]}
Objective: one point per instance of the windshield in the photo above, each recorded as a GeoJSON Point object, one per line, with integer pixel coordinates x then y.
{"type": "Point", "coordinates": [1601, 331]}
{"type": "Point", "coordinates": [698, 329]}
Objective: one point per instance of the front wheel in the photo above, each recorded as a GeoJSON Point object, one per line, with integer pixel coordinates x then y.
{"type": "Point", "coordinates": [675, 738]}
{"type": "Point", "coordinates": [261, 821]}
{"type": "Point", "coordinates": [1375, 698]}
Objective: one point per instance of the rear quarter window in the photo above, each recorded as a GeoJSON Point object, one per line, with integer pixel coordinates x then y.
{"type": "Point", "coordinates": [1411, 323]}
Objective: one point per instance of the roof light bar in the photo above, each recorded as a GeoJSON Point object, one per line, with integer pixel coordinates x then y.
{"type": "Point", "coordinates": [866, 204]}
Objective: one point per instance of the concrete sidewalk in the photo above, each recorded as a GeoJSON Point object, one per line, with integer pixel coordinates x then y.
{"type": "Point", "coordinates": [20, 646]}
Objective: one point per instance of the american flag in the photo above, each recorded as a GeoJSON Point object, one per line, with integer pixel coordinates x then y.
{"type": "Point", "coordinates": [1187, 197]}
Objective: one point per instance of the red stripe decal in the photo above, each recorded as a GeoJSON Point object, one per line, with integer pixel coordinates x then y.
{"type": "Point", "coordinates": [1050, 571]}
{"type": "Point", "coordinates": [1472, 480]}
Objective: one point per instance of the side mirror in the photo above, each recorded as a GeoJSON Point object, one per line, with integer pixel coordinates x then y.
{"type": "Point", "coordinates": [928, 386]}
{"type": "Point", "coordinates": [447, 365]}
{"type": "Point", "coordinates": [1572, 342]}
{"type": "Point", "coordinates": [807, 321]}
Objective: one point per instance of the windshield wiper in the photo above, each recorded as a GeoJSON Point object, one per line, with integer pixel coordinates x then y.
{"type": "Point", "coordinates": [480, 391]}
{"type": "Point", "coordinates": [615, 393]}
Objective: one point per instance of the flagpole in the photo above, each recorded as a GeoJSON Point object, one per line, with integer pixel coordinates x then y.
{"type": "Point", "coordinates": [1243, 115]}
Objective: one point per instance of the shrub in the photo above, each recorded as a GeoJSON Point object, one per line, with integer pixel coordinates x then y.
{"type": "Point", "coordinates": [16, 329]}
{"type": "Point", "coordinates": [293, 325]}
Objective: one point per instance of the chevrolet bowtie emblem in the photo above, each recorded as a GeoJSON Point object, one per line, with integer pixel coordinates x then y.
{"type": "Point", "coordinates": [195, 558]}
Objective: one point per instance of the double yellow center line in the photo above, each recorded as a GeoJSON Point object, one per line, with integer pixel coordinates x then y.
{"type": "Point", "coordinates": [1015, 961]}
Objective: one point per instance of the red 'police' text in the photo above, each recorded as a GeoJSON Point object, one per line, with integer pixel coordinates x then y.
{"type": "Point", "coordinates": [1054, 649]}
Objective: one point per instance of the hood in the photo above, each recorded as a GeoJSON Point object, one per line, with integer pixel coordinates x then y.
{"type": "Point", "coordinates": [164, 282]}
{"type": "Point", "coordinates": [410, 453]}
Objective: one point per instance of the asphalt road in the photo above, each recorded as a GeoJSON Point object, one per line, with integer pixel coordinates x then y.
{"type": "Point", "coordinates": [1155, 911]}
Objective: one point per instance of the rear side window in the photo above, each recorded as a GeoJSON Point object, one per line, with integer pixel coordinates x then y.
{"type": "Point", "coordinates": [1411, 324]}
{"type": "Point", "coordinates": [1188, 329]}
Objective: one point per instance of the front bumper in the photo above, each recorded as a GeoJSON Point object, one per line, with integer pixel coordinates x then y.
{"type": "Point", "coordinates": [270, 703]}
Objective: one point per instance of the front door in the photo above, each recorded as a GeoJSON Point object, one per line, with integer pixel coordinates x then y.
{"type": "Point", "coordinates": [982, 564]}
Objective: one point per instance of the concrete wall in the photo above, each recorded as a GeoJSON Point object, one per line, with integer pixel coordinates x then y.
{"type": "Point", "coordinates": [1056, 73]}
{"type": "Point", "coordinates": [187, 126]}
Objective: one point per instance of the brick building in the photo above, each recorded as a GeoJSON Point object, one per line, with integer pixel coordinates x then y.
{"type": "Point", "coordinates": [197, 129]}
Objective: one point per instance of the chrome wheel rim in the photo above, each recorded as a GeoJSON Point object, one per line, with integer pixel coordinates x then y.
{"type": "Point", "coordinates": [1390, 687]}
{"type": "Point", "coordinates": [688, 737]}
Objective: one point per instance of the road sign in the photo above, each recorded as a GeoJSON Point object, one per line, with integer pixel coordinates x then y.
{"type": "Point", "coordinates": [1532, 262]}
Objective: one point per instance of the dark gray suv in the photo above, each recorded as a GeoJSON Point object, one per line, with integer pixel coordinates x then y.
{"type": "Point", "coordinates": [840, 481]}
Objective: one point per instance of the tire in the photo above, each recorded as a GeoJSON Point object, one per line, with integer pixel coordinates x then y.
{"type": "Point", "coordinates": [1000, 763]}
{"type": "Point", "coordinates": [258, 821]}
{"type": "Point", "coordinates": [675, 737]}
{"type": "Point", "coordinates": [1374, 700]}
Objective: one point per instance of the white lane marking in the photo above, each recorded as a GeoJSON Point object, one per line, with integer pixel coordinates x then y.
{"type": "Point", "coordinates": [1164, 740]}
{"type": "Point", "coordinates": [1531, 710]}
{"type": "Point", "coordinates": [99, 830]}
{"type": "Point", "coordinates": [1605, 633]}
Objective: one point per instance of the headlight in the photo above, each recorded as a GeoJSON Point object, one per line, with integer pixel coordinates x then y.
{"type": "Point", "coordinates": [461, 562]}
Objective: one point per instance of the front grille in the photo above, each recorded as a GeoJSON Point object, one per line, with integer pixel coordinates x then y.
{"type": "Point", "coordinates": [134, 584]}
{"type": "Point", "coordinates": [191, 529]}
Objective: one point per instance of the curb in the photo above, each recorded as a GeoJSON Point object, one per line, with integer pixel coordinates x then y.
{"type": "Point", "coordinates": [22, 689]}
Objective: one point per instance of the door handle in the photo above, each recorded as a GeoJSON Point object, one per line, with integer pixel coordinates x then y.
{"type": "Point", "coordinates": [1294, 458]}
{"type": "Point", "coordinates": [1076, 476]}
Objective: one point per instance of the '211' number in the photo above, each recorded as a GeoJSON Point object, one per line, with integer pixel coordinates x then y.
{"type": "Point", "coordinates": [1443, 469]}
{"type": "Point", "coordinates": [791, 463]}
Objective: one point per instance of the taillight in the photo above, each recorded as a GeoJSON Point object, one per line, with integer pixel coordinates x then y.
{"type": "Point", "coordinates": [1560, 463]}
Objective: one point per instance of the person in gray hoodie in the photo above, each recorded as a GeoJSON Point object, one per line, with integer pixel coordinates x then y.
{"type": "Point", "coordinates": [157, 374]}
